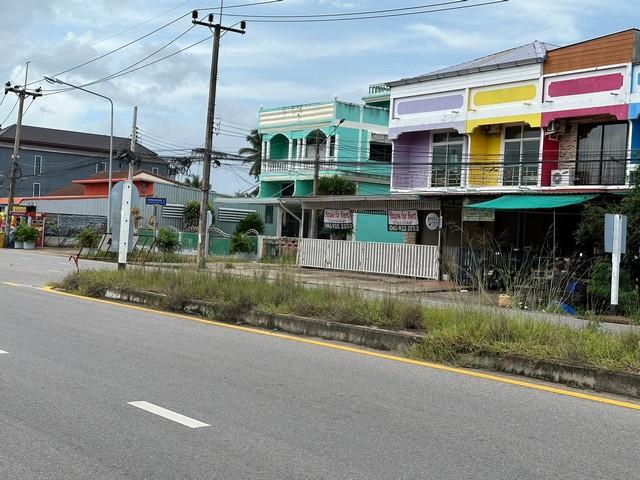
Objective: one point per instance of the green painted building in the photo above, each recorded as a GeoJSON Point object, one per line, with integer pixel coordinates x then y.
{"type": "Point", "coordinates": [347, 139]}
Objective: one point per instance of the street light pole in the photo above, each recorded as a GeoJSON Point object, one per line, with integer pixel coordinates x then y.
{"type": "Point", "coordinates": [62, 82]}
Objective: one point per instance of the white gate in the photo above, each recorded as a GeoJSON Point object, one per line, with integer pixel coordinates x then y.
{"type": "Point", "coordinates": [368, 257]}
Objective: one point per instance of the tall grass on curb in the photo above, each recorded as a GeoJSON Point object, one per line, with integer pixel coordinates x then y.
{"type": "Point", "coordinates": [451, 334]}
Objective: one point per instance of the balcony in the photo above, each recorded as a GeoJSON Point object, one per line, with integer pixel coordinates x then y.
{"type": "Point", "coordinates": [379, 89]}
{"type": "Point", "coordinates": [509, 176]}
{"type": "Point", "coordinates": [294, 166]}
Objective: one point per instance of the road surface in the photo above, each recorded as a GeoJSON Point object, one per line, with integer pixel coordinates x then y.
{"type": "Point", "coordinates": [92, 390]}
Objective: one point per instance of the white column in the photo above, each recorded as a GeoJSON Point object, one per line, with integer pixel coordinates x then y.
{"type": "Point", "coordinates": [327, 151]}
{"type": "Point", "coordinates": [290, 155]}
{"type": "Point", "coordinates": [299, 150]}
{"type": "Point", "coordinates": [304, 149]}
{"type": "Point", "coordinates": [335, 148]}
{"type": "Point", "coordinates": [263, 153]}
{"type": "Point", "coordinates": [268, 157]}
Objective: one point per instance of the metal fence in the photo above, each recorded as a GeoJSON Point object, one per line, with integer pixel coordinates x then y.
{"type": "Point", "coordinates": [420, 261]}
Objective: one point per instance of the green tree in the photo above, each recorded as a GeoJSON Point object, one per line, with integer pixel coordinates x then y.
{"type": "Point", "coordinates": [253, 153]}
{"type": "Point", "coordinates": [193, 181]}
{"type": "Point", "coordinates": [336, 185]}
{"type": "Point", "coordinates": [251, 221]}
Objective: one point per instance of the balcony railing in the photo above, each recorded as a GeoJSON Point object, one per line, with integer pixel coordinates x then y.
{"type": "Point", "coordinates": [524, 174]}
{"type": "Point", "coordinates": [379, 88]}
{"type": "Point", "coordinates": [285, 166]}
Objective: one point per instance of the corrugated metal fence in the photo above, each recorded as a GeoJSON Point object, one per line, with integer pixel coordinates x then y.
{"type": "Point", "coordinates": [419, 261]}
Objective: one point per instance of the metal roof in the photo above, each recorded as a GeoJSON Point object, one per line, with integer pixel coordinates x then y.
{"type": "Point", "coordinates": [530, 53]}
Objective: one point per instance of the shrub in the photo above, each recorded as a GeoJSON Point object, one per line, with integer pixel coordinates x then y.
{"type": "Point", "coordinates": [87, 238]}
{"type": "Point", "coordinates": [167, 241]}
{"type": "Point", "coordinates": [240, 243]}
{"type": "Point", "coordinates": [250, 222]}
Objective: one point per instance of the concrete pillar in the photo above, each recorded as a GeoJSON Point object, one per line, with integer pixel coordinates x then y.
{"type": "Point", "coordinates": [290, 154]}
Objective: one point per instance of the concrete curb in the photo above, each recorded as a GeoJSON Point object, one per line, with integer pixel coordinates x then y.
{"type": "Point", "coordinates": [620, 383]}
{"type": "Point", "coordinates": [372, 337]}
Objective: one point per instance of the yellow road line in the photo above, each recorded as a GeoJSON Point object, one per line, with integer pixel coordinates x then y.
{"type": "Point", "coordinates": [13, 284]}
{"type": "Point", "coordinates": [369, 353]}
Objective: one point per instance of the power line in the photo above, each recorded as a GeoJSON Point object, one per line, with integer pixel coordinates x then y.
{"type": "Point", "coordinates": [338, 18]}
{"type": "Point", "coordinates": [10, 112]}
{"type": "Point", "coordinates": [111, 77]}
{"type": "Point", "coordinates": [145, 36]}
{"type": "Point", "coordinates": [128, 29]}
{"type": "Point", "coordinates": [349, 14]}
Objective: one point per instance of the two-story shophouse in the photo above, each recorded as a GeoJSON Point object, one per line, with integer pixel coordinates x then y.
{"type": "Point", "coordinates": [512, 143]}
{"type": "Point", "coordinates": [345, 139]}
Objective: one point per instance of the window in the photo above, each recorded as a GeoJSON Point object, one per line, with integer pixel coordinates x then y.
{"type": "Point", "coordinates": [521, 152]}
{"type": "Point", "coordinates": [602, 154]}
{"type": "Point", "coordinates": [101, 167]}
{"type": "Point", "coordinates": [287, 189]}
{"type": "Point", "coordinates": [268, 214]}
{"type": "Point", "coordinates": [446, 165]}
{"type": "Point", "coordinates": [380, 148]}
{"type": "Point", "coordinates": [37, 165]}
{"type": "Point", "coordinates": [155, 170]}
{"type": "Point", "coordinates": [36, 189]}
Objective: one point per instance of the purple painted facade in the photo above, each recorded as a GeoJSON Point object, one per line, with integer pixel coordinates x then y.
{"type": "Point", "coordinates": [426, 105]}
{"type": "Point", "coordinates": [410, 157]}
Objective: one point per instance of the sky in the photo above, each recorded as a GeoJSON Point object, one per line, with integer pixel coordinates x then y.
{"type": "Point", "coordinates": [274, 64]}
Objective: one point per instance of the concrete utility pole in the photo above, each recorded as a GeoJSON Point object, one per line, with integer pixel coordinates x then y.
{"type": "Point", "coordinates": [313, 227]}
{"type": "Point", "coordinates": [125, 212]}
{"type": "Point", "coordinates": [208, 143]}
{"type": "Point", "coordinates": [22, 93]}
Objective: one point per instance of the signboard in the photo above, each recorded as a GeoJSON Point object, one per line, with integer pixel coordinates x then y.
{"type": "Point", "coordinates": [402, 221]}
{"type": "Point", "coordinates": [433, 221]}
{"type": "Point", "coordinates": [156, 201]}
{"type": "Point", "coordinates": [478, 215]}
{"type": "Point", "coordinates": [338, 219]}
{"type": "Point", "coordinates": [19, 210]}
{"type": "Point", "coordinates": [609, 245]}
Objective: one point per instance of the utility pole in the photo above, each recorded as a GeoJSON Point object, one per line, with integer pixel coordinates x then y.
{"type": "Point", "coordinates": [125, 212]}
{"type": "Point", "coordinates": [208, 143]}
{"type": "Point", "coordinates": [313, 228]}
{"type": "Point", "coordinates": [313, 224]}
{"type": "Point", "coordinates": [22, 93]}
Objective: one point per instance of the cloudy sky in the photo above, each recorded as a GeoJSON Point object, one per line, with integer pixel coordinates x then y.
{"type": "Point", "coordinates": [273, 64]}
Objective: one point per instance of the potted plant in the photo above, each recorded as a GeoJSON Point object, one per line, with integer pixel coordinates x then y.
{"type": "Point", "coordinates": [18, 235]}
{"type": "Point", "coordinates": [29, 237]}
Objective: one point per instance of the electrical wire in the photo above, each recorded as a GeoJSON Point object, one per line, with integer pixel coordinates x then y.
{"type": "Point", "coordinates": [54, 92]}
{"type": "Point", "coordinates": [121, 47]}
{"type": "Point", "coordinates": [95, 42]}
{"type": "Point", "coordinates": [369, 17]}
{"type": "Point", "coordinates": [10, 112]}
{"type": "Point", "coordinates": [349, 14]}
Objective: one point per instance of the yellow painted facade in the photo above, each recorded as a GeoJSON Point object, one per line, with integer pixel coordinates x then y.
{"type": "Point", "coordinates": [533, 120]}
{"type": "Point", "coordinates": [520, 93]}
{"type": "Point", "coordinates": [485, 150]}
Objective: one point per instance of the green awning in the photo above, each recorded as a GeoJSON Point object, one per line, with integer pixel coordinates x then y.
{"type": "Point", "coordinates": [531, 202]}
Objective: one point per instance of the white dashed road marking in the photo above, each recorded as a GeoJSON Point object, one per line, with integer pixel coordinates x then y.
{"type": "Point", "coordinates": [168, 414]}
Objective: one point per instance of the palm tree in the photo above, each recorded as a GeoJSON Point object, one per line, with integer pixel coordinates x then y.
{"type": "Point", "coordinates": [193, 181]}
{"type": "Point", "coordinates": [253, 153]}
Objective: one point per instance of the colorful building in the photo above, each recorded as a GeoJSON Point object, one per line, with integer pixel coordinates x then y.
{"type": "Point", "coordinates": [537, 120]}
{"type": "Point", "coordinates": [348, 139]}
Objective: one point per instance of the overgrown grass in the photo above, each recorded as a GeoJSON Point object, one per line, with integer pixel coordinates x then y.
{"type": "Point", "coordinates": [451, 334]}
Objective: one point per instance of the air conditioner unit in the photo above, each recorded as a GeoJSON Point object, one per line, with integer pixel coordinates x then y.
{"type": "Point", "coordinates": [556, 128]}
{"type": "Point", "coordinates": [492, 129]}
{"type": "Point", "coordinates": [562, 178]}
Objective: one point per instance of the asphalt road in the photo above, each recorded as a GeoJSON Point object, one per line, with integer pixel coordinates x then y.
{"type": "Point", "coordinates": [273, 408]}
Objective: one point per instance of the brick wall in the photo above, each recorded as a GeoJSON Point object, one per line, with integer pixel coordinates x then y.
{"type": "Point", "coordinates": [568, 147]}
